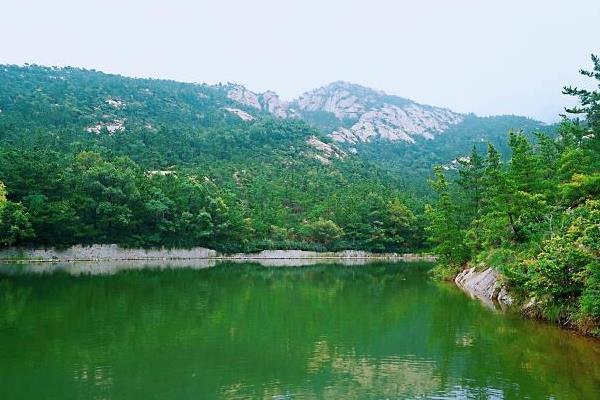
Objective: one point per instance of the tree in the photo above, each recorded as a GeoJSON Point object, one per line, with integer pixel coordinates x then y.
{"type": "Point", "coordinates": [15, 225]}
{"type": "Point", "coordinates": [580, 165]}
{"type": "Point", "coordinates": [54, 222]}
{"type": "Point", "coordinates": [524, 166]}
{"type": "Point", "coordinates": [470, 179]}
{"type": "Point", "coordinates": [324, 231]}
{"type": "Point", "coordinates": [399, 227]}
{"type": "Point", "coordinates": [564, 276]}
{"type": "Point", "coordinates": [443, 229]}
{"type": "Point", "coordinates": [589, 100]}
{"type": "Point", "coordinates": [2, 193]}
{"type": "Point", "coordinates": [107, 194]}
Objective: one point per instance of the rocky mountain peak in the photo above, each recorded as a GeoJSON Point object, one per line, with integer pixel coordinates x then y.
{"type": "Point", "coordinates": [364, 114]}
{"type": "Point", "coordinates": [367, 114]}
{"type": "Point", "coordinates": [268, 101]}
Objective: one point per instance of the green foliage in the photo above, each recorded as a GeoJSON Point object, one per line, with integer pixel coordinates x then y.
{"type": "Point", "coordinates": [443, 229]}
{"type": "Point", "coordinates": [2, 193]}
{"type": "Point", "coordinates": [324, 231]}
{"type": "Point", "coordinates": [589, 100]}
{"type": "Point", "coordinates": [184, 171]}
{"type": "Point", "coordinates": [413, 161]}
{"type": "Point", "coordinates": [14, 223]}
{"type": "Point", "coordinates": [536, 217]}
{"type": "Point", "coordinates": [564, 275]}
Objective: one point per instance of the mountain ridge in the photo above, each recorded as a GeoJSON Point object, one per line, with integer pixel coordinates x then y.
{"type": "Point", "coordinates": [157, 160]}
{"type": "Point", "coordinates": [352, 113]}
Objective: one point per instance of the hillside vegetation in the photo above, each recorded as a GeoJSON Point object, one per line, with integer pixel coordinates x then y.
{"type": "Point", "coordinates": [536, 218]}
{"type": "Point", "coordinates": [87, 157]}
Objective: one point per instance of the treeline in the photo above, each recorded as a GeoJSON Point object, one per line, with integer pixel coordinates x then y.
{"type": "Point", "coordinates": [52, 198]}
{"type": "Point", "coordinates": [413, 161]}
{"type": "Point", "coordinates": [179, 171]}
{"type": "Point", "coordinates": [536, 218]}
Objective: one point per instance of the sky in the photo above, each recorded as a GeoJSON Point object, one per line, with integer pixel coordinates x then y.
{"type": "Point", "coordinates": [483, 56]}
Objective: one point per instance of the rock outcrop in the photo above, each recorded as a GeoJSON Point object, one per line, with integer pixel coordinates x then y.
{"type": "Point", "coordinates": [485, 285]}
{"type": "Point", "coordinates": [364, 114]}
{"type": "Point", "coordinates": [111, 252]}
{"type": "Point", "coordinates": [326, 151]}
{"type": "Point", "coordinates": [395, 123]}
{"type": "Point", "coordinates": [243, 96]}
{"type": "Point", "coordinates": [375, 115]}
{"type": "Point", "coordinates": [342, 99]}
{"type": "Point", "coordinates": [273, 104]}
{"type": "Point", "coordinates": [115, 126]}
{"type": "Point", "coordinates": [243, 115]}
{"type": "Point", "coordinates": [268, 101]}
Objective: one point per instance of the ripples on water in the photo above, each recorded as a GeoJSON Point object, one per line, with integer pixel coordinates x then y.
{"type": "Point", "coordinates": [182, 330]}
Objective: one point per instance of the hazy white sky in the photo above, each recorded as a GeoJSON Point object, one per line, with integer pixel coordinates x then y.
{"type": "Point", "coordinates": [484, 56]}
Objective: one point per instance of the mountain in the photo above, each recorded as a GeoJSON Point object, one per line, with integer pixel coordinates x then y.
{"type": "Point", "coordinates": [351, 113]}
{"type": "Point", "coordinates": [365, 114]}
{"type": "Point", "coordinates": [392, 132]}
{"type": "Point", "coordinates": [100, 158]}
{"type": "Point", "coordinates": [88, 157]}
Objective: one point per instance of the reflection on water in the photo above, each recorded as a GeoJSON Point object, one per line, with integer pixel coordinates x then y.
{"type": "Point", "coordinates": [112, 267]}
{"type": "Point", "coordinates": [239, 331]}
{"type": "Point", "coordinates": [100, 267]}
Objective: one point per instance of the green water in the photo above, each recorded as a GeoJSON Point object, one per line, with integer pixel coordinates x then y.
{"type": "Point", "coordinates": [381, 331]}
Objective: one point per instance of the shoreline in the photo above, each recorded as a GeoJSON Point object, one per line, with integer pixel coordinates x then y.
{"type": "Point", "coordinates": [113, 252]}
{"type": "Point", "coordinates": [487, 287]}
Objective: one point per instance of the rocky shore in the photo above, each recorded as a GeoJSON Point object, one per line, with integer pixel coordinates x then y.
{"type": "Point", "coordinates": [485, 285]}
{"type": "Point", "coordinates": [114, 252]}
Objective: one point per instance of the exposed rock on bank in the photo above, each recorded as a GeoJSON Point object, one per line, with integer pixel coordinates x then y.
{"type": "Point", "coordinates": [113, 252]}
{"type": "Point", "coordinates": [485, 285]}
{"type": "Point", "coordinates": [346, 254]}
{"type": "Point", "coordinates": [103, 252]}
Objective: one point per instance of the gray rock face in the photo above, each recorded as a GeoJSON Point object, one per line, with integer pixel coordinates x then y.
{"type": "Point", "coordinates": [364, 114]}
{"type": "Point", "coordinates": [109, 252]}
{"type": "Point", "coordinates": [243, 96]}
{"type": "Point", "coordinates": [485, 286]}
{"type": "Point", "coordinates": [243, 115]}
{"type": "Point", "coordinates": [395, 123]}
{"type": "Point", "coordinates": [326, 151]}
{"type": "Point", "coordinates": [273, 104]}
{"type": "Point", "coordinates": [376, 114]}
{"type": "Point", "coordinates": [268, 101]}
{"type": "Point", "coordinates": [342, 99]}
{"type": "Point", "coordinates": [104, 252]}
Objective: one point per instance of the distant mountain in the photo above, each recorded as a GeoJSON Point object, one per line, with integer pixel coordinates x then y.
{"type": "Point", "coordinates": [351, 121]}
{"type": "Point", "coordinates": [392, 132]}
{"type": "Point", "coordinates": [366, 114]}
{"type": "Point", "coordinates": [351, 113]}
{"type": "Point", "coordinates": [101, 158]}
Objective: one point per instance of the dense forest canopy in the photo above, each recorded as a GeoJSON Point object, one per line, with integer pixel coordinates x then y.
{"type": "Point", "coordinates": [535, 217]}
{"type": "Point", "coordinates": [87, 157]}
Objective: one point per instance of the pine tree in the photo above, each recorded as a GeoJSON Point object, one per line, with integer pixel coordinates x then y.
{"type": "Point", "coordinates": [444, 231]}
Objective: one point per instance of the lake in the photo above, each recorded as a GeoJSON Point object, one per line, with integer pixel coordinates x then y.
{"type": "Point", "coordinates": [244, 331]}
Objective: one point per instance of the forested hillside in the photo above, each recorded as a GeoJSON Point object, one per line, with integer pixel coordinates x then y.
{"type": "Point", "coordinates": [88, 157]}
{"type": "Point", "coordinates": [535, 217]}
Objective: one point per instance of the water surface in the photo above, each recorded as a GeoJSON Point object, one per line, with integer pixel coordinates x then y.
{"type": "Point", "coordinates": [245, 331]}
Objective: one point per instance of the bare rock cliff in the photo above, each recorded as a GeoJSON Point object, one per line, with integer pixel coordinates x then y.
{"type": "Point", "coordinates": [485, 285]}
